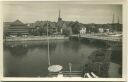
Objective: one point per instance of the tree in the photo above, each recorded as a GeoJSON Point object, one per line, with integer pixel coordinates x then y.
{"type": "Point", "coordinates": [66, 32]}
{"type": "Point", "coordinates": [76, 28]}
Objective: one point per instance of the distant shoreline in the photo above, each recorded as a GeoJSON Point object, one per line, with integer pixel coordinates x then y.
{"type": "Point", "coordinates": [34, 38]}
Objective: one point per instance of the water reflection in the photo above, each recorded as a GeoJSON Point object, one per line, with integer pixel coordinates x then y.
{"type": "Point", "coordinates": [18, 51]}
{"type": "Point", "coordinates": [34, 56]}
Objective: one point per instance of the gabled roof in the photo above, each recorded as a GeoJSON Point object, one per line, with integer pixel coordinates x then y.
{"type": "Point", "coordinates": [17, 22]}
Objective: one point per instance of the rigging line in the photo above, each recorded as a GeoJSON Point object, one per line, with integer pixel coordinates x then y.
{"type": "Point", "coordinates": [49, 62]}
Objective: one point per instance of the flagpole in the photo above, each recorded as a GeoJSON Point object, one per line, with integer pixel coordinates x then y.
{"type": "Point", "coordinates": [49, 62]}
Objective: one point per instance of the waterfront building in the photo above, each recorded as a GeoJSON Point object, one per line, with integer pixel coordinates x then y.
{"type": "Point", "coordinates": [64, 26]}
{"type": "Point", "coordinates": [83, 31]}
{"type": "Point", "coordinates": [52, 28]}
{"type": "Point", "coordinates": [101, 30]}
{"type": "Point", "coordinates": [31, 28]}
{"type": "Point", "coordinates": [40, 28]}
{"type": "Point", "coordinates": [107, 30]}
{"type": "Point", "coordinates": [6, 26]}
{"type": "Point", "coordinates": [17, 28]}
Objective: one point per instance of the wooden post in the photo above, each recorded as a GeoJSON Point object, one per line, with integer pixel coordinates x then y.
{"type": "Point", "coordinates": [70, 67]}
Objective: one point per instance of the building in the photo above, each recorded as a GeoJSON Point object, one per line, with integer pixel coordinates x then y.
{"type": "Point", "coordinates": [17, 28]}
{"type": "Point", "coordinates": [52, 28]}
{"type": "Point", "coordinates": [40, 28]}
{"type": "Point", "coordinates": [6, 26]}
{"type": "Point", "coordinates": [60, 23]}
{"type": "Point", "coordinates": [101, 30]}
{"type": "Point", "coordinates": [83, 31]}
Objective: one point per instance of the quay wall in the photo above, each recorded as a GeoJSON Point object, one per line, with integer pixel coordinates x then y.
{"type": "Point", "coordinates": [99, 40]}
{"type": "Point", "coordinates": [37, 38]}
{"type": "Point", "coordinates": [98, 37]}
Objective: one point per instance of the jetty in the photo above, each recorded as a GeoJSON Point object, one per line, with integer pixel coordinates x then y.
{"type": "Point", "coordinates": [112, 38]}
{"type": "Point", "coordinates": [34, 38]}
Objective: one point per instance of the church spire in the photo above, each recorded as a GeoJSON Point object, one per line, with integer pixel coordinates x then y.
{"type": "Point", "coordinates": [59, 18]}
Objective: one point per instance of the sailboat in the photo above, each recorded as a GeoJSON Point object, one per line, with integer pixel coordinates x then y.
{"type": "Point", "coordinates": [57, 68]}
{"type": "Point", "coordinates": [52, 68]}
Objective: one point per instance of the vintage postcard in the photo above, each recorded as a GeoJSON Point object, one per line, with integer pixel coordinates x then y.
{"type": "Point", "coordinates": [85, 81]}
{"type": "Point", "coordinates": [63, 39]}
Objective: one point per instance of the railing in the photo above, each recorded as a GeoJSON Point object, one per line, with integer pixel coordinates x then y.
{"type": "Point", "coordinates": [75, 72]}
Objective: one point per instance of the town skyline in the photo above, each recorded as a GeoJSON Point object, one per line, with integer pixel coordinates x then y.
{"type": "Point", "coordinates": [83, 13]}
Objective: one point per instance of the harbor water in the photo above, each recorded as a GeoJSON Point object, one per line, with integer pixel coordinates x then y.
{"type": "Point", "coordinates": [30, 58]}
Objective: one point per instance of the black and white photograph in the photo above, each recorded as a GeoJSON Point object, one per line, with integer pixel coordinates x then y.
{"type": "Point", "coordinates": [62, 39]}
{"type": "Point", "coordinates": [60, 81]}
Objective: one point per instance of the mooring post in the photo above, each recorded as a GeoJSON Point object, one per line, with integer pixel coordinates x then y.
{"type": "Point", "coordinates": [70, 67]}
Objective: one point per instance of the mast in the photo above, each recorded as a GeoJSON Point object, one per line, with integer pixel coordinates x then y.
{"type": "Point", "coordinates": [59, 14]}
{"type": "Point", "coordinates": [118, 21]}
{"type": "Point", "coordinates": [49, 62]}
{"type": "Point", "coordinates": [113, 18]}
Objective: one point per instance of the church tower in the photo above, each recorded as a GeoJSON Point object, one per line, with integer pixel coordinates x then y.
{"type": "Point", "coordinates": [59, 18]}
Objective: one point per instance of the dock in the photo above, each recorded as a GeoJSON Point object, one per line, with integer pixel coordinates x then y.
{"type": "Point", "coordinates": [34, 38]}
{"type": "Point", "coordinates": [72, 74]}
{"type": "Point", "coordinates": [66, 74]}
{"type": "Point", "coordinates": [98, 37]}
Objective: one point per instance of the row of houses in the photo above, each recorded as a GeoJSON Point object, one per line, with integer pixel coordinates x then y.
{"type": "Point", "coordinates": [61, 27]}
{"type": "Point", "coordinates": [101, 28]}
{"type": "Point", "coordinates": [15, 28]}
{"type": "Point", "coordinates": [18, 28]}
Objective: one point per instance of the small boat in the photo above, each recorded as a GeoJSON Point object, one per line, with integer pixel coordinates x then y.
{"type": "Point", "coordinates": [52, 68]}
{"type": "Point", "coordinates": [95, 76]}
{"type": "Point", "coordinates": [89, 76]}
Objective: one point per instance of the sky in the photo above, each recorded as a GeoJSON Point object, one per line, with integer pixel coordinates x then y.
{"type": "Point", "coordinates": [32, 11]}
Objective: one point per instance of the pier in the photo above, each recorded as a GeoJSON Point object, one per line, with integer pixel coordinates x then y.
{"type": "Point", "coordinates": [66, 74]}
{"type": "Point", "coordinates": [98, 37]}
{"type": "Point", "coordinates": [109, 40]}
{"type": "Point", "coordinates": [34, 38]}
